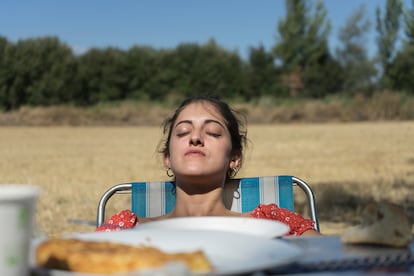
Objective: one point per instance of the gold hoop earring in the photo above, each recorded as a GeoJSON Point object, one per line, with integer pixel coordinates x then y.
{"type": "Point", "coordinates": [170, 172]}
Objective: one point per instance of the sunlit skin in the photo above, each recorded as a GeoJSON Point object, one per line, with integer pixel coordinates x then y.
{"type": "Point", "coordinates": [200, 155]}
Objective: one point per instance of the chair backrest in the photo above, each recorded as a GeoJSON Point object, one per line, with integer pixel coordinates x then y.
{"type": "Point", "coordinates": [150, 199]}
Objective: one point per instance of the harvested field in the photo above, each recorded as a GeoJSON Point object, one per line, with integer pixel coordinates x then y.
{"type": "Point", "coordinates": [347, 164]}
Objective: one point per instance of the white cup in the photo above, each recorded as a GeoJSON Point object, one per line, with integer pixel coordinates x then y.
{"type": "Point", "coordinates": [17, 210]}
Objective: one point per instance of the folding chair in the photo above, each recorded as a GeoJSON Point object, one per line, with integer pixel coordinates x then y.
{"type": "Point", "coordinates": [149, 199]}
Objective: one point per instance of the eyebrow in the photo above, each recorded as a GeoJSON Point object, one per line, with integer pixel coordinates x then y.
{"type": "Point", "coordinates": [208, 121]}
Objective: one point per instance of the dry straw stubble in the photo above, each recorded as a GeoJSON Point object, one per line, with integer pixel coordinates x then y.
{"type": "Point", "coordinates": [75, 165]}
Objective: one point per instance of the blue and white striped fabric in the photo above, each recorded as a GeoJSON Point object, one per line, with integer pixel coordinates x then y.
{"type": "Point", "coordinates": [151, 199]}
{"type": "Point", "coordinates": [268, 189]}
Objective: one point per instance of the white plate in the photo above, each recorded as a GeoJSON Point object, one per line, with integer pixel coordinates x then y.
{"type": "Point", "coordinates": [244, 225]}
{"type": "Point", "coordinates": [229, 253]}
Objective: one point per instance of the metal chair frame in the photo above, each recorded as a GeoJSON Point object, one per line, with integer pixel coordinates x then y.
{"type": "Point", "coordinates": [127, 187]}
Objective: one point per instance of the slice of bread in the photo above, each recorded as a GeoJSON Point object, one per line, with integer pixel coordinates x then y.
{"type": "Point", "coordinates": [382, 223]}
{"type": "Point", "coordinates": [110, 257]}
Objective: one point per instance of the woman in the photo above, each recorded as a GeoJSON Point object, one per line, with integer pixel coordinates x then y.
{"type": "Point", "coordinates": [203, 148]}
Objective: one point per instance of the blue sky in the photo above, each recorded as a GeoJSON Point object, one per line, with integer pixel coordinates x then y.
{"type": "Point", "coordinates": [234, 24]}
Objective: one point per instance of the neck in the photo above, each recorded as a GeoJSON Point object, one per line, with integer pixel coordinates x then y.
{"type": "Point", "coordinates": [202, 204]}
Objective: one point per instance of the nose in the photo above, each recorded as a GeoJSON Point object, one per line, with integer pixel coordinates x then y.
{"type": "Point", "coordinates": [196, 139]}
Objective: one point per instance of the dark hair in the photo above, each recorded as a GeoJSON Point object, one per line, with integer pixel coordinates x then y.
{"type": "Point", "coordinates": [235, 123]}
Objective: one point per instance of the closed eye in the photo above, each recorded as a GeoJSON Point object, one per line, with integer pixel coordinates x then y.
{"type": "Point", "coordinates": [214, 134]}
{"type": "Point", "coordinates": [182, 134]}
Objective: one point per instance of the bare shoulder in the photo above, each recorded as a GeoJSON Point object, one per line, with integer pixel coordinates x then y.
{"type": "Point", "coordinates": [237, 214]}
{"type": "Point", "coordinates": [149, 219]}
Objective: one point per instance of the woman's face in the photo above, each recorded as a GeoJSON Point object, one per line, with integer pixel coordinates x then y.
{"type": "Point", "coordinates": [200, 143]}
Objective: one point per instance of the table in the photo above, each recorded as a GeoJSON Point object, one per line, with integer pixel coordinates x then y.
{"type": "Point", "coordinates": [326, 254]}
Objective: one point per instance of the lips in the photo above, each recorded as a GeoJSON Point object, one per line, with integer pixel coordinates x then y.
{"type": "Point", "coordinates": [194, 153]}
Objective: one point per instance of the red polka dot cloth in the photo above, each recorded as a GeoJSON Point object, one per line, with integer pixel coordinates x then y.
{"type": "Point", "coordinates": [298, 225]}
{"type": "Point", "coordinates": [121, 220]}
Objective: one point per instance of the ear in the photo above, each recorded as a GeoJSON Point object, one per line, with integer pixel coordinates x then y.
{"type": "Point", "coordinates": [167, 161]}
{"type": "Point", "coordinates": [235, 161]}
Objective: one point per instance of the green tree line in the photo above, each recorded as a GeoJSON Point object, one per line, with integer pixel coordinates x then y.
{"type": "Point", "coordinates": [45, 71]}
